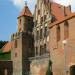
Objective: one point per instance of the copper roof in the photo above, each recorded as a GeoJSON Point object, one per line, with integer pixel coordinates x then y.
{"type": "Point", "coordinates": [25, 12]}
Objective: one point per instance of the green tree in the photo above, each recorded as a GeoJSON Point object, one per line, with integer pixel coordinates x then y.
{"type": "Point", "coordinates": [2, 43]}
{"type": "Point", "coordinates": [49, 71]}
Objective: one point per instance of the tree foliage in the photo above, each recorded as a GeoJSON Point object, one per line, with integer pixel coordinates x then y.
{"type": "Point", "coordinates": [49, 71]}
{"type": "Point", "coordinates": [2, 43]}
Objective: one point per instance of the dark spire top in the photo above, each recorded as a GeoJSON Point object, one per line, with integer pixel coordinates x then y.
{"type": "Point", "coordinates": [25, 3]}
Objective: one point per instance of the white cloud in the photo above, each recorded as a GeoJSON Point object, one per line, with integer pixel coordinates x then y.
{"type": "Point", "coordinates": [18, 3]}
{"type": "Point", "coordinates": [31, 3]}
{"type": "Point", "coordinates": [66, 3]}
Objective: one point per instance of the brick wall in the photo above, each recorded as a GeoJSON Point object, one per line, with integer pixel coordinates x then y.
{"type": "Point", "coordinates": [57, 48]}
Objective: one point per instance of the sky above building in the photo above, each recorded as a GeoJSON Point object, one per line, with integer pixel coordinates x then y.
{"type": "Point", "coordinates": [9, 11]}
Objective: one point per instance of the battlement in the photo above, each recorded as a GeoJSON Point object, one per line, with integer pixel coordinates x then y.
{"type": "Point", "coordinates": [16, 35]}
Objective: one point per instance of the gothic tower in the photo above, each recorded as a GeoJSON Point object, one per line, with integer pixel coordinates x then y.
{"type": "Point", "coordinates": [22, 47]}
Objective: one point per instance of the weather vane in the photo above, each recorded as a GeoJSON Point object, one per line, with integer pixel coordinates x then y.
{"type": "Point", "coordinates": [25, 3]}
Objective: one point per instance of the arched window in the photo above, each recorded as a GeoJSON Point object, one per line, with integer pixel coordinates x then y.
{"type": "Point", "coordinates": [58, 33]}
{"type": "Point", "coordinates": [66, 30]}
{"type": "Point", "coordinates": [72, 70]}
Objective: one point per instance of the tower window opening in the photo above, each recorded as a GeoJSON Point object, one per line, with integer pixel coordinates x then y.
{"type": "Point", "coordinates": [58, 33]}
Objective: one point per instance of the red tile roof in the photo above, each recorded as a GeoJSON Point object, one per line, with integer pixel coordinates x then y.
{"type": "Point", "coordinates": [58, 10]}
{"type": "Point", "coordinates": [25, 12]}
{"type": "Point", "coordinates": [7, 47]}
{"type": "Point", "coordinates": [62, 19]}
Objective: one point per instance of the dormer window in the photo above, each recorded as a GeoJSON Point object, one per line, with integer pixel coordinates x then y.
{"type": "Point", "coordinates": [53, 19]}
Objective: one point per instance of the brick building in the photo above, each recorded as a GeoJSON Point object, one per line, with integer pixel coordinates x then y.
{"type": "Point", "coordinates": [23, 43]}
{"type": "Point", "coordinates": [45, 31]}
{"type": "Point", "coordinates": [53, 23]}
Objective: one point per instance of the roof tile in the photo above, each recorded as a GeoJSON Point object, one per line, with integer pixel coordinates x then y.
{"type": "Point", "coordinates": [25, 12]}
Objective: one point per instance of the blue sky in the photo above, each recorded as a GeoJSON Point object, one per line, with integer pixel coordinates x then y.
{"type": "Point", "coordinates": [10, 9]}
{"type": "Point", "coordinates": [9, 12]}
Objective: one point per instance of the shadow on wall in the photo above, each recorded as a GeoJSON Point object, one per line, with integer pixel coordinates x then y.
{"type": "Point", "coordinates": [6, 68]}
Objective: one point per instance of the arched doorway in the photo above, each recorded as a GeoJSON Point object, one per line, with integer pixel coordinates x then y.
{"type": "Point", "coordinates": [5, 72]}
{"type": "Point", "coordinates": [72, 70]}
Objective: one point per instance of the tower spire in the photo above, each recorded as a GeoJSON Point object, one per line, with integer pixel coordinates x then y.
{"type": "Point", "coordinates": [25, 3]}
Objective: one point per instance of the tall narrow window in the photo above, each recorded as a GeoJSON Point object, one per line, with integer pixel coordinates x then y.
{"type": "Point", "coordinates": [41, 20]}
{"type": "Point", "coordinates": [58, 33]}
{"type": "Point", "coordinates": [20, 21]}
{"type": "Point", "coordinates": [41, 50]}
{"type": "Point", "coordinates": [36, 50]}
{"type": "Point", "coordinates": [39, 12]}
{"type": "Point", "coordinates": [45, 32]}
{"type": "Point", "coordinates": [44, 17]}
{"type": "Point", "coordinates": [45, 49]}
{"type": "Point", "coordinates": [66, 30]}
{"type": "Point", "coordinates": [37, 35]}
{"type": "Point", "coordinates": [40, 33]}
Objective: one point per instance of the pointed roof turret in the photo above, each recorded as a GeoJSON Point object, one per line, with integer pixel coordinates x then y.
{"type": "Point", "coordinates": [25, 11]}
